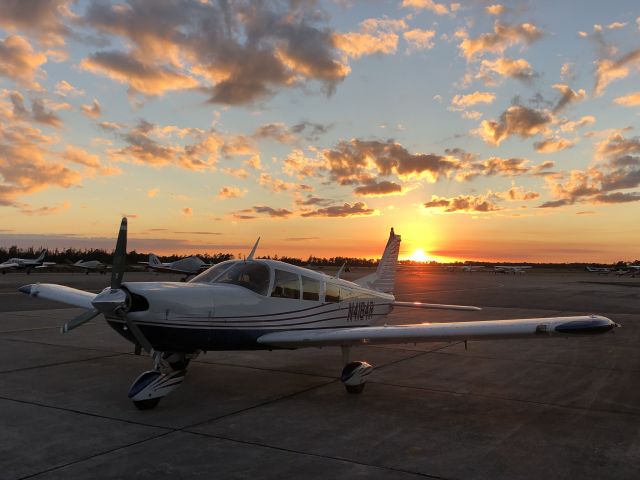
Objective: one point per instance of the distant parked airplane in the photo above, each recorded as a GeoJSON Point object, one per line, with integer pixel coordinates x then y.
{"type": "Point", "coordinates": [466, 268]}
{"type": "Point", "coordinates": [91, 266]}
{"type": "Point", "coordinates": [187, 266]}
{"type": "Point", "coordinates": [511, 268]}
{"type": "Point", "coordinates": [599, 270]}
{"type": "Point", "coordinates": [25, 263]}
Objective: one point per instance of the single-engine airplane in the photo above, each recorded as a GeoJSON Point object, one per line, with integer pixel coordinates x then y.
{"type": "Point", "coordinates": [187, 266]}
{"type": "Point", "coordinates": [25, 263]}
{"type": "Point", "coordinates": [91, 266]}
{"type": "Point", "coordinates": [511, 268]}
{"type": "Point", "coordinates": [256, 304]}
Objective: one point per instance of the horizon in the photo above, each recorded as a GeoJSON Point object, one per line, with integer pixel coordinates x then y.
{"type": "Point", "coordinates": [488, 131]}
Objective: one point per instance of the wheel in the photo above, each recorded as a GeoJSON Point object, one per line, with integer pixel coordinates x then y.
{"type": "Point", "coordinates": [180, 364]}
{"type": "Point", "coordinates": [147, 404]}
{"type": "Point", "coordinates": [355, 389]}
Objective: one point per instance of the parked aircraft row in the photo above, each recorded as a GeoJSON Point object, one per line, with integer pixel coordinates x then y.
{"type": "Point", "coordinates": [186, 266]}
{"type": "Point", "coordinates": [631, 270]}
{"type": "Point", "coordinates": [256, 304]}
{"type": "Point", "coordinates": [490, 268]}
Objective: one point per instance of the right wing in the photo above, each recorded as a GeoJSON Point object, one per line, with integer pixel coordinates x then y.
{"type": "Point", "coordinates": [7, 265]}
{"type": "Point", "coordinates": [439, 332]}
{"type": "Point", "coordinates": [60, 293]}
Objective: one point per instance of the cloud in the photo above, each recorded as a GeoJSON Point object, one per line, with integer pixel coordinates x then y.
{"type": "Point", "coordinates": [26, 209]}
{"type": "Point", "coordinates": [153, 192]}
{"type": "Point", "coordinates": [462, 203]}
{"type": "Point", "coordinates": [141, 77]}
{"type": "Point", "coordinates": [566, 71]}
{"type": "Point", "coordinates": [567, 97]}
{"type": "Point", "coordinates": [503, 37]}
{"type": "Point", "coordinates": [378, 189]}
{"type": "Point", "coordinates": [358, 209]}
{"type": "Point", "coordinates": [437, 8]}
{"type": "Point", "coordinates": [608, 70]}
{"type": "Point", "coordinates": [64, 89]}
{"type": "Point", "coordinates": [276, 185]}
{"type": "Point", "coordinates": [297, 164]}
{"type": "Point", "coordinates": [495, 9]}
{"type": "Point", "coordinates": [274, 131]}
{"type": "Point", "coordinates": [356, 161]}
{"type": "Point", "coordinates": [603, 182]}
{"type": "Point", "coordinates": [518, 194]}
{"type": "Point", "coordinates": [40, 114]}
{"type": "Point", "coordinates": [516, 120]}
{"type": "Point", "coordinates": [571, 126]}
{"type": "Point", "coordinates": [631, 100]}
{"type": "Point", "coordinates": [494, 166]}
{"type": "Point", "coordinates": [463, 101]}
{"type": "Point", "coordinates": [519, 69]}
{"type": "Point", "coordinates": [418, 39]}
{"type": "Point", "coordinates": [231, 192]}
{"type": "Point", "coordinates": [376, 36]}
{"type": "Point", "coordinates": [44, 18]}
{"type": "Point", "coordinates": [93, 110]}
{"type": "Point", "coordinates": [553, 145]}
{"type": "Point", "coordinates": [237, 53]}
{"type": "Point", "coordinates": [19, 62]}
{"type": "Point", "coordinates": [261, 210]}
{"type": "Point", "coordinates": [187, 211]}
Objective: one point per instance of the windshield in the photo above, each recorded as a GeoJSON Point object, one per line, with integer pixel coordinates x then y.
{"type": "Point", "coordinates": [251, 275]}
{"type": "Point", "coordinates": [210, 274]}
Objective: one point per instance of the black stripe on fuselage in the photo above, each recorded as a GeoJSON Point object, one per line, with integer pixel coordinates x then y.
{"type": "Point", "coordinates": [172, 339]}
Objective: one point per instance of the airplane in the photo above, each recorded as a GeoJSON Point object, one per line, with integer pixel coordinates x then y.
{"type": "Point", "coordinates": [511, 268]}
{"type": "Point", "coordinates": [466, 268]}
{"type": "Point", "coordinates": [187, 266]}
{"type": "Point", "coordinates": [599, 270]}
{"type": "Point", "coordinates": [632, 270]}
{"type": "Point", "coordinates": [91, 265]}
{"type": "Point", "coordinates": [26, 264]}
{"type": "Point", "coordinates": [256, 304]}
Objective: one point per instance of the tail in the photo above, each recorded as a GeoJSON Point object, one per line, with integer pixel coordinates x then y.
{"type": "Point", "coordinates": [153, 260]}
{"type": "Point", "coordinates": [41, 256]}
{"type": "Point", "coordinates": [384, 279]}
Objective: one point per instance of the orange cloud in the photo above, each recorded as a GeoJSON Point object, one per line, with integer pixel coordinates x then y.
{"type": "Point", "coordinates": [553, 145]}
{"type": "Point", "coordinates": [463, 101]}
{"type": "Point", "coordinates": [92, 111]}
{"type": "Point", "coordinates": [19, 62]}
{"type": "Point", "coordinates": [358, 209]}
{"type": "Point", "coordinates": [187, 211]}
{"type": "Point", "coordinates": [418, 39]}
{"type": "Point", "coordinates": [503, 37]}
{"type": "Point", "coordinates": [516, 120]}
{"type": "Point", "coordinates": [437, 8]}
{"type": "Point", "coordinates": [462, 203]}
{"type": "Point", "coordinates": [519, 69]}
{"type": "Point", "coordinates": [608, 70]}
{"type": "Point", "coordinates": [495, 9]}
{"type": "Point", "coordinates": [231, 192]}
{"type": "Point", "coordinates": [631, 100]}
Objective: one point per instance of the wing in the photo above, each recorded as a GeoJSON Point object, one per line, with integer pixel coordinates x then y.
{"type": "Point", "coordinates": [435, 306]}
{"type": "Point", "coordinates": [7, 265]}
{"type": "Point", "coordinates": [438, 332]}
{"type": "Point", "coordinates": [60, 293]}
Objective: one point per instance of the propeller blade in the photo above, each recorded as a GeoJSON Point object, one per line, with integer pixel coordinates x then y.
{"type": "Point", "coordinates": [119, 256]}
{"type": "Point", "coordinates": [139, 336]}
{"type": "Point", "coordinates": [79, 320]}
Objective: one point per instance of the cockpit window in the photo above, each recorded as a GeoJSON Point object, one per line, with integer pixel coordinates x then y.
{"type": "Point", "coordinates": [211, 273]}
{"type": "Point", "coordinates": [251, 275]}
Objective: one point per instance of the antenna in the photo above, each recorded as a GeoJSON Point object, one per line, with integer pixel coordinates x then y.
{"type": "Point", "coordinates": [253, 250]}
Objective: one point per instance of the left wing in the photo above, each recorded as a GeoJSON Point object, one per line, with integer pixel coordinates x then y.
{"type": "Point", "coordinates": [7, 265]}
{"type": "Point", "coordinates": [438, 332]}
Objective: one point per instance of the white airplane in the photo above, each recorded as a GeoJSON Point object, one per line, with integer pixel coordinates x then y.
{"type": "Point", "coordinates": [599, 270]}
{"type": "Point", "coordinates": [632, 270]}
{"type": "Point", "coordinates": [511, 268]}
{"type": "Point", "coordinates": [187, 266]}
{"type": "Point", "coordinates": [25, 263]}
{"type": "Point", "coordinates": [258, 304]}
{"type": "Point", "coordinates": [466, 268]}
{"type": "Point", "coordinates": [91, 266]}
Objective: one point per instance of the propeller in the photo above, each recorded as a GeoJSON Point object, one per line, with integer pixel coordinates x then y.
{"type": "Point", "coordinates": [114, 300]}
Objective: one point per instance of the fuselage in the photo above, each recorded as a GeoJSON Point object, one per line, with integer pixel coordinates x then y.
{"type": "Point", "coordinates": [233, 303]}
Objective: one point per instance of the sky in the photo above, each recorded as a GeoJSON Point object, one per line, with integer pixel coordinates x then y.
{"type": "Point", "coordinates": [478, 130]}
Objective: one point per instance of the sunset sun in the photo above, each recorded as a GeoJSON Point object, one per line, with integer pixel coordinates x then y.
{"type": "Point", "coordinates": [419, 256]}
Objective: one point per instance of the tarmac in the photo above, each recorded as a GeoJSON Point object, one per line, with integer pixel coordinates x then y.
{"type": "Point", "coordinates": [515, 409]}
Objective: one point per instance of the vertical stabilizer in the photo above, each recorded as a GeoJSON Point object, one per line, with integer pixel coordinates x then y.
{"type": "Point", "coordinates": [154, 260]}
{"type": "Point", "coordinates": [384, 279]}
{"type": "Point", "coordinates": [41, 256]}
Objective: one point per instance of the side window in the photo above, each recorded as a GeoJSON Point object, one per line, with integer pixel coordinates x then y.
{"type": "Point", "coordinates": [332, 293]}
{"type": "Point", "coordinates": [286, 285]}
{"type": "Point", "coordinates": [310, 289]}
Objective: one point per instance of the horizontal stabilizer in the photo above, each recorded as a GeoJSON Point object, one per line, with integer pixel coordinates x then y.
{"type": "Point", "coordinates": [60, 293]}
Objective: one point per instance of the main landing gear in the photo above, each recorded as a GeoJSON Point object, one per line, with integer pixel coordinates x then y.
{"type": "Point", "coordinates": [354, 374]}
{"type": "Point", "coordinates": [169, 371]}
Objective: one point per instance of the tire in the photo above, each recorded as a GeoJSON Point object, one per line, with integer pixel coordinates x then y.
{"type": "Point", "coordinates": [180, 364]}
{"type": "Point", "coordinates": [355, 389]}
{"type": "Point", "coordinates": [147, 404]}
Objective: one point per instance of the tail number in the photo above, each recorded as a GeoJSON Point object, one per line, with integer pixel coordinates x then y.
{"type": "Point", "coordinates": [359, 311]}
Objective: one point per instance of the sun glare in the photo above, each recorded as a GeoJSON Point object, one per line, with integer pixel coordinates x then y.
{"type": "Point", "coordinates": [419, 256]}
